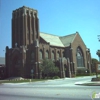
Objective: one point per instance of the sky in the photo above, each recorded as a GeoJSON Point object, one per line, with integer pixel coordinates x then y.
{"type": "Point", "coordinates": [58, 17]}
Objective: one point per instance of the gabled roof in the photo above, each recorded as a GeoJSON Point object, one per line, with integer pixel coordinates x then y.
{"type": "Point", "coordinates": [66, 40]}
{"type": "Point", "coordinates": [52, 39]}
{"type": "Point", "coordinates": [2, 60]}
{"type": "Point", "coordinates": [61, 41]}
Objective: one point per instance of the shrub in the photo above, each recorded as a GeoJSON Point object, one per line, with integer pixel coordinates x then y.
{"type": "Point", "coordinates": [48, 67]}
{"type": "Point", "coordinates": [82, 72]}
{"type": "Point", "coordinates": [48, 78]}
{"type": "Point", "coordinates": [95, 79]}
{"type": "Point", "coordinates": [86, 74]}
{"type": "Point", "coordinates": [56, 77]}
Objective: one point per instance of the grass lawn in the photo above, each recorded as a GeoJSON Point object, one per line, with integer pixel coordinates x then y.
{"type": "Point", "coordinates": [21, 81]}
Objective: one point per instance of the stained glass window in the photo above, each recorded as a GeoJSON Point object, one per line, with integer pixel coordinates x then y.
{"type": "Point", "coordinates": [79, 56]}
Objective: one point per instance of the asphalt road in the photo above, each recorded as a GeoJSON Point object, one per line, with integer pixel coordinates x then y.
{"type": "Point", "coordinates": [61, 89]}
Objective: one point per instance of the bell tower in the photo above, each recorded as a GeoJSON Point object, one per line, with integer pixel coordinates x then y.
{"type": "Point", "coordinates": [25, 26]}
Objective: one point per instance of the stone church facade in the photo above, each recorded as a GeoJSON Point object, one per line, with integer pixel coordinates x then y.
{"type": "Point", "coordinates": [30, 47]}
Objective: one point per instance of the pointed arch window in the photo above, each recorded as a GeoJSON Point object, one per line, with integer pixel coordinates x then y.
{"type": "Point", "coordinates": [41, 54]}
{"type": "Point", "coordinates": [58, 55]}
{"type": "Point", "coordinates": [63, 54]}
{"type": "Point", "coordinates": [47, 54]}
{"type": "Point", "coordinates": [80, 58]}
{"type": "Point", "coordinates": [52, 55]}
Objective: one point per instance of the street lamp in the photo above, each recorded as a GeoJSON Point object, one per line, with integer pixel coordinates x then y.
{"type": "Point", "coordinates": [40, 70]}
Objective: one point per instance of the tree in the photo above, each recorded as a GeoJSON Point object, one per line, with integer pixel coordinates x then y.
{"type": "Point", "coordinates": [94, 61]}
{"type": "Point", "coordinates": [98, 53]}
{"type": "Point", "coordinates": [48, 67]}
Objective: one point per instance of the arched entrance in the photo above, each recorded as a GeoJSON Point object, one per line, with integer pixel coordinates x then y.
{"type": "Point", "coordinates": [16, 63]}
{"type": "Point", "coordinates": [16, 66]}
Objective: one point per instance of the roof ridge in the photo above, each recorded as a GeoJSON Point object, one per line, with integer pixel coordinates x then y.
{"type": "Point", "coordinates": [57, 35]}
{"type": "Point", "coordinates": [68, 35]}
{"type": "Point", "coordinates": [50, 34]}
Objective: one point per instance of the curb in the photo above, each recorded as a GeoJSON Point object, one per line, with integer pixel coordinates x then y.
{"type": "Point", "coordinates": [87, 84]}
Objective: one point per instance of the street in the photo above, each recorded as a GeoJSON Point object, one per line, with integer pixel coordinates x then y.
{"type": "Point", "coordinates": [60, 89]}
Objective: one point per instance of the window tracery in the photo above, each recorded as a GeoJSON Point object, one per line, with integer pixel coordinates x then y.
{"type": "Point", "coordinates": [79, 57]}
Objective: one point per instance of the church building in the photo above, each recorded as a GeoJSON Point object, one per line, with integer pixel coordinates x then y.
{"type": "Point", "coordinates": [30, 47]}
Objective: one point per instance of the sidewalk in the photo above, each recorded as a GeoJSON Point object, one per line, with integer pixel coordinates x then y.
{"type": "Point", "coordinates": [85, 83]}
{"type": "Point", "coordinates": [88, 83]}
